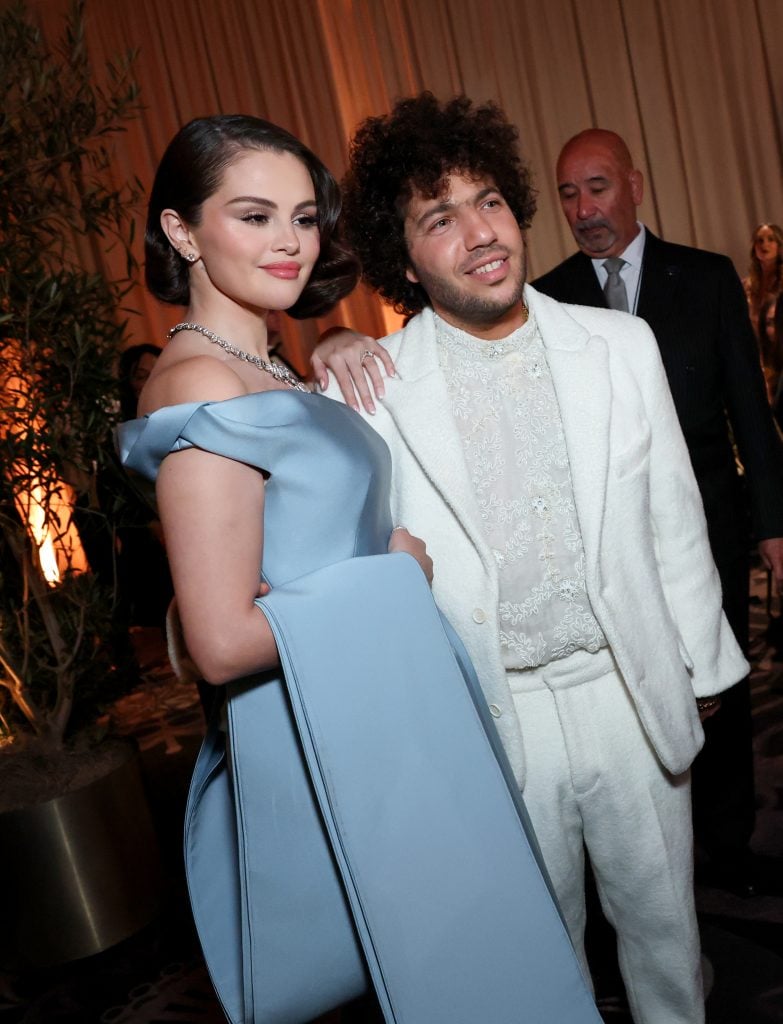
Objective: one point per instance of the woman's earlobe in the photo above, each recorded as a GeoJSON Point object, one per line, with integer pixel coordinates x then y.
{"type": "Point", "coordinates": [178, 234]}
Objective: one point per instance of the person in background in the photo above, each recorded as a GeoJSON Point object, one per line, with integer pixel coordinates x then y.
{"type": "Point", "coordinates": [133, 370]}
{"type": "Point", "coordinates": [142, 567]}
{"type": "Point", "coordinates": [118, 521]}
{"type": "Point", "coordinates": [763, 286]}
{"type": "Point", "coordinates": [694, 303]}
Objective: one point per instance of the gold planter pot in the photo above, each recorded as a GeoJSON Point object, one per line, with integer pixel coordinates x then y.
{"type": "Point", "coordinates": [82, 870]}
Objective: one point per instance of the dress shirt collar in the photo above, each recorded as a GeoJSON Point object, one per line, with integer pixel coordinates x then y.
{"type": "Point", "coordinates": [631, 273]}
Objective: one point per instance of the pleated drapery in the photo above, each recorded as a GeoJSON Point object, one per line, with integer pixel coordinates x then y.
{"type": "Point", "coordinates": [695, 86]}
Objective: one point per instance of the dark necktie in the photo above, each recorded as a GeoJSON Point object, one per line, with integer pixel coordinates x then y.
{"type": "Point", "coordinates": [614, 289]}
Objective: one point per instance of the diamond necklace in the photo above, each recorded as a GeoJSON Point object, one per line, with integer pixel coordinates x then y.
{"type": "Point", "coordinates": [281, 373]}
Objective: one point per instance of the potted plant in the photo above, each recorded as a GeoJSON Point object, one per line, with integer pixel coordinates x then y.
{"type": "Point", "coordinates": [61, 655]}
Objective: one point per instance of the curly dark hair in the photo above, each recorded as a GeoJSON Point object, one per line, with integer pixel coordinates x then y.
{"type": "Point", "coordinates": [414, 148]}
{"type": "Point", "coordinates": [191, 171]}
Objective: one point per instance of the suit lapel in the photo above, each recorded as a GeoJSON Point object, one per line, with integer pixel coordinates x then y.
{"type": "Point", "coordinates": [586, 290]}
{"type": "Point", "coordinates": [660, 280]}
{"type": "Point", "coordinates": [421, 409]}
{"type": "Point", "coordinates": [579, 363]}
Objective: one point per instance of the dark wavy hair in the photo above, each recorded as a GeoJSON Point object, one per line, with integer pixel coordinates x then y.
{"type": "Point", "coordinates": [415, 148]}
{"type": "Point", "coordinates": [191, 171]}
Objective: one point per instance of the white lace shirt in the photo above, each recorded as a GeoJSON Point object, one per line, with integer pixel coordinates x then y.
{"type": "Point", "coordinates": [506, 411]}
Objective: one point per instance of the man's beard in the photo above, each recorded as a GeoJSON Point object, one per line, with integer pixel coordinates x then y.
{"type": "Point", "coordinates": [582, 229]}
{"type": "Point", "coordinates": [464, 307]}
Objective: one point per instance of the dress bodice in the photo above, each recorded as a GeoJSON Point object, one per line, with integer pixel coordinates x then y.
{"type": "Point", "coordinates": [328, 472]}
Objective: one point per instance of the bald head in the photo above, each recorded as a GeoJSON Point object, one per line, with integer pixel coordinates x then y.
{"type": "Point", "coordinates": [599, 192]}
{"type": "Point", "coordinates": [597, 140]}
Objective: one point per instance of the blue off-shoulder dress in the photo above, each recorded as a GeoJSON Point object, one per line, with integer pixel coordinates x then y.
{"type": "Point", "coordinates": [352, 822]}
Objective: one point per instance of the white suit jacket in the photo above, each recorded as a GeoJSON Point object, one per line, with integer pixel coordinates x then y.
{"type": "Point", "coordinates": [650, 576]}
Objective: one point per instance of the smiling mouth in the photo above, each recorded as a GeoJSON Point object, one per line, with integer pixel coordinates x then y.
{"type": "Point", "coordinates": [487, 268]}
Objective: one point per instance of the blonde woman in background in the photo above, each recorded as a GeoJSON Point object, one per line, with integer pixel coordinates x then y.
{"type": "Point", "coordinates": [762, 288]}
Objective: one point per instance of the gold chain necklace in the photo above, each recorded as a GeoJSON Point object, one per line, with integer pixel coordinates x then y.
{"type": "Point", "coordinates": [281, 373]}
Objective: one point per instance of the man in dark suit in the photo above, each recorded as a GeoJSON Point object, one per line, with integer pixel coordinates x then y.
{"type": "Point", "coordinates": [694, 302]}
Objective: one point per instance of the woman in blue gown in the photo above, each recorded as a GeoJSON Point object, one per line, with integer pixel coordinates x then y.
{"type": "Point", "coordinates": [351, 823]}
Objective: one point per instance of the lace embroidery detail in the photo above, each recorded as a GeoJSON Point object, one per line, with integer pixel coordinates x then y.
{"type": "Point", "coordinates": [506, 411]}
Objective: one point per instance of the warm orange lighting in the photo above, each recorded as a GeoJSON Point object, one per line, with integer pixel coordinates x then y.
{"type": "Point", "coordinates": [55, 536]}
{"type": "Point", "coordinates": [46, 506]}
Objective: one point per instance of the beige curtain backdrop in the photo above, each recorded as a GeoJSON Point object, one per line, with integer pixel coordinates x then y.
{"type": "Point", "coordinates": [695, 86]}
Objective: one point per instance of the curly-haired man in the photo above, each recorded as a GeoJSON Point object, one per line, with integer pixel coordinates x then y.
{"type": "Point", "coordinates": [536, 448]}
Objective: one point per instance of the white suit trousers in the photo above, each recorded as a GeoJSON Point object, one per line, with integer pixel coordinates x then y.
{"type": "Point", "coordinates": [593, 778]}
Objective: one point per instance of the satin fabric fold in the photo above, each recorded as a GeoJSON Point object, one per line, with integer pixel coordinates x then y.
{"type": "Point", "coordinates": [371, 813]}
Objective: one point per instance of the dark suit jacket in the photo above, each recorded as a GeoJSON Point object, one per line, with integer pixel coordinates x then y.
{"type": "Point", "coordinates": [694, 302]}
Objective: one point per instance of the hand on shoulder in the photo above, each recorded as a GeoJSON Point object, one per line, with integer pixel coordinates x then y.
{"type": "Point", "coordinates": [357, 361]}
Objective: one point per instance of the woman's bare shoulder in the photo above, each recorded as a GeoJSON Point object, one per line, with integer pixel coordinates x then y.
{"type": "Point", "coordinates": [195, 379]}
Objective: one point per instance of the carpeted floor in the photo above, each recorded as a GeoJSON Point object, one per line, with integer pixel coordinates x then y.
{"type": "Point", "coordinates": [158, 976]}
